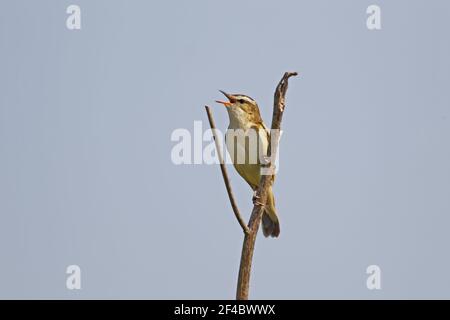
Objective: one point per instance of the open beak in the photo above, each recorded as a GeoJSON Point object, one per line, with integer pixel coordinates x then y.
{"type": "Point", "coordinates": [225, 103]}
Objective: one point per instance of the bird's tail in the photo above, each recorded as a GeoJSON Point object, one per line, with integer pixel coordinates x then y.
{"type": "Point", "coordinates": [270, 223]}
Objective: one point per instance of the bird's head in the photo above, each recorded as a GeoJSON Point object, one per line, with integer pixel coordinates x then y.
{"type": "Point", "coordinates": [240, 105]}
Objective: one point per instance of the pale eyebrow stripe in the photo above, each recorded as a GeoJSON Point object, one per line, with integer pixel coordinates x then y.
{"type": "Point", "coordinates": [242, 96]}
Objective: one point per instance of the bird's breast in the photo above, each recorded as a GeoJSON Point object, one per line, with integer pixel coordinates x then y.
{"type": "Point", "coordinates": [246, 147]}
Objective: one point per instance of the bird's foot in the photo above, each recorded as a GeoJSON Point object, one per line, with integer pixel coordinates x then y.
{"type": "Point", "coordinates": [256, 198]}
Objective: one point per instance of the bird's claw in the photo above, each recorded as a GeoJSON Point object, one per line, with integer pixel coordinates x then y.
{"type": "Point", "coordinates": [257, 203]}
{"type": "Point", "coordinates": [256, 198]}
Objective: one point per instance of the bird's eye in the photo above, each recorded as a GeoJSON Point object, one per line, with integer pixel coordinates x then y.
{"type": "Point", "coordinates": [241, 100]}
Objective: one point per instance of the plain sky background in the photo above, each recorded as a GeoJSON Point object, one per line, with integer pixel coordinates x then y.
{"type": "Point", "coordinates": [86, 176]}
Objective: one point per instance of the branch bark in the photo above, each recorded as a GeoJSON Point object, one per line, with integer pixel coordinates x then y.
{"type": "Point", "coordinates": [225, 173]}
{"type": "Point", "coordinates": [265, 182]}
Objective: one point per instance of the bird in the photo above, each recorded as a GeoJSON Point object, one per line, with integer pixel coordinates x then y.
{"type": "Point", "coordinates": [247, 156]}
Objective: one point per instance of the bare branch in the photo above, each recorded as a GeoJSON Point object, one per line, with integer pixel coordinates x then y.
{"type": "Point", "coordinates": [225, 173]}
{"type": "Point", "coordinates": [265, 182]}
